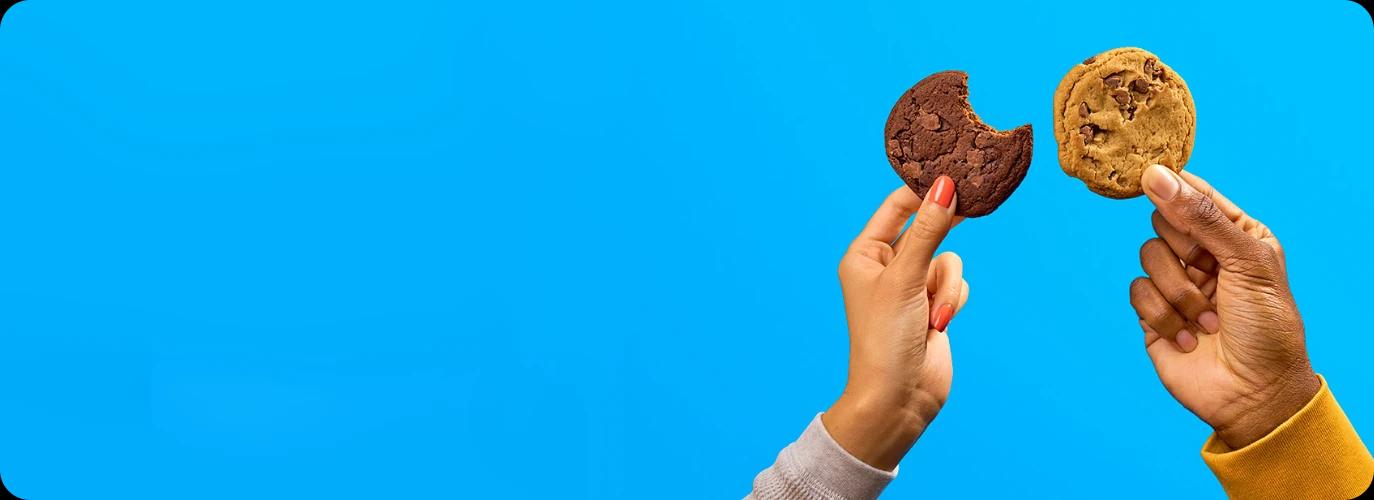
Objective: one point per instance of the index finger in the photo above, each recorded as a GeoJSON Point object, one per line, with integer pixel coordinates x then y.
{"type": "Point", "coordinates": [1186, 248]}
{"type": "Point", "coordinates": [886, 223]}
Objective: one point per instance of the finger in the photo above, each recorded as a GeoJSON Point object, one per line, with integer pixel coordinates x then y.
{"type": "Point", "coordinates": [944, 282]}
{"type": "Point", "coordinates": [1206, 282]}
{"type": "Point", "coordinates": [1198, 215]}
{"type": "Point", "coordinates": [1160, 352]}
{"type": "Point", "coordinates": [898, 245]}
{"type": "Point", "coordinates": [1199, 277]}
{"type": "Point", "coordinates": [1170, 278]}
{"type": "Point", "coordinates": [1227, 207]}
{"type": "Point", "coordinates": [1184, 247]}
{"type": "Point", "coordinates": [886, 223]}
{"type": "Point", "coordinates": [927, 230]}
{"type": "Point", "coordinates": [1151, 307]}
{"type": "Point", "coordinates": [1250, 225]}
{"type": "Point", "coordinates": [963, 297]}
{"type": "Point", "coordinates": [1151, 336]}
{"type": "Point", "coordinates": [875, 240]}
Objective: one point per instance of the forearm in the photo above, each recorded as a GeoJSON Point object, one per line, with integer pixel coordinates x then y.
{"type": "Point", "coordinates": [816, 467]}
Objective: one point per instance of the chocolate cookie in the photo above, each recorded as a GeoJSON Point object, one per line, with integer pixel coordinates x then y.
{"type": "Point", "coordinates": [932, 131]}
{"type": "Point", "coordinates": [1116, 114]}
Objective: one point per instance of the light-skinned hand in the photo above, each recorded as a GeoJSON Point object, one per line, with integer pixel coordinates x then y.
{"type": "Point", "coordinates": [899, 298]}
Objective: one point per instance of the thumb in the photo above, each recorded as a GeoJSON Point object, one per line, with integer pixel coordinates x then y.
{"type": "Point", "coordinates": [917, 246]}
{"type": "Point", "coordinates": [1196, 214]}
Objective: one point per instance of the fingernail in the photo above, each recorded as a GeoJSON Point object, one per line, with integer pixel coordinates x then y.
{"type": "Point", "coordinates": [942, 316]}
{"type": "Point", "coordinates": [943, 191]}
{"type": "Point", "coordinates": [1209, 321]}
{"type": "Point", "coordinates": [1161, 181]}
{"type": "Point", "coordinates": [1186, 340]}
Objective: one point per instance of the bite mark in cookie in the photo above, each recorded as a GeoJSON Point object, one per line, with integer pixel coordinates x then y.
{"type": "Point", "coordinates": [933, 131]}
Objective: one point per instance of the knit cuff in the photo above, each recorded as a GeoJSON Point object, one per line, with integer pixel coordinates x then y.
{"type": "Point", "coordinates": [817, 461]}
{"type": "Point", "coordinates": [1314, 454]}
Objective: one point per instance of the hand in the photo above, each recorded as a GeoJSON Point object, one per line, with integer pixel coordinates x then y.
{"type": "Point", "coordinates": [899, 359]}
{"type": "Point", "coordinates": [1220, 323]}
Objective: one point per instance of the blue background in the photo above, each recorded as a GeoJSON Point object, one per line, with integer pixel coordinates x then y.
{"type": "Point", "coordinates": [430, 249]}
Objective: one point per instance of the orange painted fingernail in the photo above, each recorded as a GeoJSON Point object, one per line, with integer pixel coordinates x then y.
{"type": "Point", "coordinates": [942, 316]}
{"type": "Point", "coordinates": [943, 191]}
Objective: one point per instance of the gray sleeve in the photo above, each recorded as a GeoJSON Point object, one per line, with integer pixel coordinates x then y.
{"type": "Point", "coordinates": [816, 467]}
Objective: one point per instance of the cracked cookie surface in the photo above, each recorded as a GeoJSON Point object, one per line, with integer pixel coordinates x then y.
{"type": "Point", "coordinates": [1119, 112]}
{"type": "Point", "coordinates": [933, 131]}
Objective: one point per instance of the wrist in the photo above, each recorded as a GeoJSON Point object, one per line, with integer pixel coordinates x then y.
{"type": "Point", "coordinates": [1270, 409]}
{"type": "Point", "coordinates": [875, 427]}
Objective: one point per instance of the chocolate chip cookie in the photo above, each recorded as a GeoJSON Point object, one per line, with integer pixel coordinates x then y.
{"type": "Point", "coordinates": [933, 131]}
{"type": "Point", "coordinates": [1116, 114]}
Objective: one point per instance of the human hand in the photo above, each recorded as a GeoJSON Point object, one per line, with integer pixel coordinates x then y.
{"type": "Point", "coordinates": [899, 357]}
{"type": "Point", "coordinates": [1220, 323]}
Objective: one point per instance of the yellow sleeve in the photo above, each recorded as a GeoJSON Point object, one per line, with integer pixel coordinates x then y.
{"type": "Point", "coordinates": [1315, 454]}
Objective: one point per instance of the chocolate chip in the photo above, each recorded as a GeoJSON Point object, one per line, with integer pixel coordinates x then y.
{"type": "Point", "coordinates": [1140, 86]}
{"type": "Point", "coordinates": [1111, 175]}
{"type": "Point", "coordinates": [974, 157]}
{"type": "Point", "coordinates": [1087, 131]}
{"type": "Point", "coordinates": [1130, 112]}
{"type": "Point", "coordinates": [1083, 110]}
{"type": "Point", "coordinates": [1090, 60]}
{"type": "Point", "coordinates": [1122, 97]}
{"type": "Point", "coordinates": [1150, 66]}
{"type": "Point", "coordinates": [1112, 82]}
{"type": "Point", "coordinates": [929, 121]}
